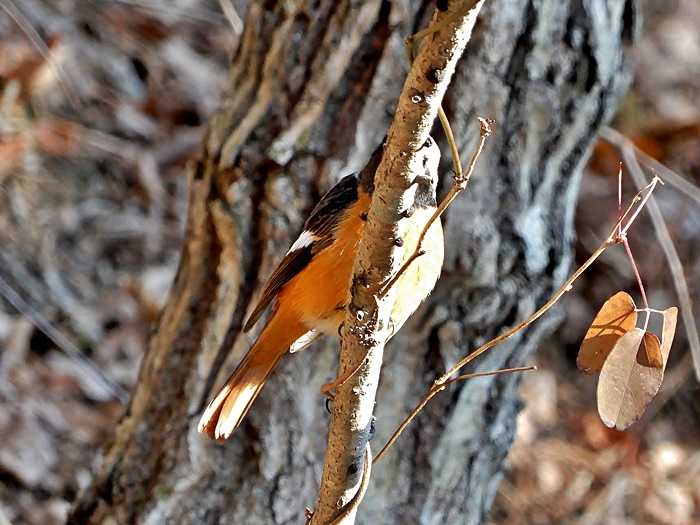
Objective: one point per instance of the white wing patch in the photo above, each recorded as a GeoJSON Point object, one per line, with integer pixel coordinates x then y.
{"type": "Point", "coordinates": [303, 241]}
{"type": "Point", "coordinates": [304, 341]}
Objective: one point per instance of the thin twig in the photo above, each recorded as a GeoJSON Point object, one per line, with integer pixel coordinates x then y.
{"type": "Point", "coordinates": [679, 182]}
{"type": "Point", "coordinates": [454, 150]}
{"type": "Point", "coordinates": [619, 200]}
{"type": "Point", "coordinates": [523, 324]}
{"type": "Point", "coordinates": [637, 276]}
{"type": "Point", "coordinates": [646, 191]}
{"type": "Point", "coordinates": [436, 389]}
{"type": "Point", "coordinates": [674, 261]}
{"type": "Point", "coordinates": [636, 205]}
{"type": "Point", "coordinates": [460, 182]}
{"type": "Point", "coordinates": [638, 201]}
{"type": "Point", "coordinates": [650, 310]}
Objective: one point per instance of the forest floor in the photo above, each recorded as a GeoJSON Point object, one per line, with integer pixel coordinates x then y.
{"type": "Point", "coordinates": [92, 203]}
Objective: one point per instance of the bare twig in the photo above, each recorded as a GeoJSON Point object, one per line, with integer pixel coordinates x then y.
{"type": "Point", "coordinates": [686, 187]}
{"type": "Point", "coordinates": [674, 261]}
{"type": "Point", "coordinates": [628, 250]}
{"type": "Point", "coordinates": [456, 161]}
{"type": "Point", "coordinates": [619, 199]}
{"type": "Point", "coordinates": [436, 389]}
{"type": "Point", "coordinates": [460, 182]}
{"type": "Point", "coordinates": [640, 284]}
{"type": "Point", "coordinates": [638, 202]}
{"type": "Point", "coordinates": [363, 336]}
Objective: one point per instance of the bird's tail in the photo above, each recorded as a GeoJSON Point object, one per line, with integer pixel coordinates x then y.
{"type": "Point", "coordinates": [229, 407]}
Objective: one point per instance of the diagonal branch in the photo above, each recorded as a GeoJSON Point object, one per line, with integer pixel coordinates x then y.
{"type": "Point", "coordinates": [616, 236]}
{"type": "Point", "coordinates": [367, 317]}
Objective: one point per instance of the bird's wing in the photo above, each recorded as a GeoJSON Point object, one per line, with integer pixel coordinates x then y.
{"type": "Point", "coordinates": [318, 233]}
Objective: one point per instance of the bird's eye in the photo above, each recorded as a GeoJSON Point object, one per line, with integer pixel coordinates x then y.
{"type": "Point", "coordinates": [428, 142]}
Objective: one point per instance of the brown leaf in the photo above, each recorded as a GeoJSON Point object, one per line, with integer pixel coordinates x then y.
{"type": "Point", "coordinates": [11, 151]}
{"type": "Point", "coordinates": [58, 137]}
{"type": "Point", "coordinates": [649, 353]}
{"type": "Point", "coordinates": [616, 317]}
{"type": "Point", "coordinates": [626, 387]}
{"type": "Point", "coordinates": [668, 331]}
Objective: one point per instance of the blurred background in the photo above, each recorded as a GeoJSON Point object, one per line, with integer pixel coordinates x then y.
{"type": "Point", "coordinates": [101, 106]}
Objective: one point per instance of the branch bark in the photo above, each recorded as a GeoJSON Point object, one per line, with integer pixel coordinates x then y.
{"type": "Point", "coordinates": [364, 331]}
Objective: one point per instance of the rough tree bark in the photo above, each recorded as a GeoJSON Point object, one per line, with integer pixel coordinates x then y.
{"type": "Point", "coordinates": [312, 90]}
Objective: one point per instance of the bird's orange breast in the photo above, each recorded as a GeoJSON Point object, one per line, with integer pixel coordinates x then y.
{"type": "Point", "coordinates": [318, 294]}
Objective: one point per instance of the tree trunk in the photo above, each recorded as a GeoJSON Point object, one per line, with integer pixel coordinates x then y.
{"type": "Point", "coordinates": [312, 90]}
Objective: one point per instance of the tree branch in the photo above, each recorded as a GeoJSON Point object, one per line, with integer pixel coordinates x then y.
{"type": "Point", "coordinates": [366, 322]}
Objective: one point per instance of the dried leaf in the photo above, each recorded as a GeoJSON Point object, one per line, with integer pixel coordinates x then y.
{"type": "Point", "coordinates": [649, 353]}
{"type": "Point", "coordinates": [11, 151]}
{"type": "Point", "coordinates": [58, 137]}
{"type": "Point", "coordinates": [668, 331]}
{"type": "Point", "coordinates": [616, 317]}
{"type": "Point", "coordinates": [626, 387]}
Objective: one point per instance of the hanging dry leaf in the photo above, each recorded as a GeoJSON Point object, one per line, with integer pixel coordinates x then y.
{"type": "Point", "coordinates": [668, 331]}
{"type": "Point", "coordinates": [649, 353]}
{"type": "Point", "coordinates": [616, 317]}
{"type": "Point", "coordinates": [626, 387]}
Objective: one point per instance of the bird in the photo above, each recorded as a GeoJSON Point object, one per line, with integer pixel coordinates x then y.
{"type": "Point", "coordinates": [309, 289]}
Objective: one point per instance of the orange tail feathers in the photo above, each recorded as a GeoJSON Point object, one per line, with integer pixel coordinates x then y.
{"type": "Point", "coordinates": [230, 406]}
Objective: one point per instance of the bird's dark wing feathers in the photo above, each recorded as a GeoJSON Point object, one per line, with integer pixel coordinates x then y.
{"type": "Point", "coordinates": [319, 229]}
{"type": "Point", "coordinates": [326, 215]}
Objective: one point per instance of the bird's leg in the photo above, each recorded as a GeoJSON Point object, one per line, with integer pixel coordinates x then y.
{"type": "Point", "coordinates": [328, 388]}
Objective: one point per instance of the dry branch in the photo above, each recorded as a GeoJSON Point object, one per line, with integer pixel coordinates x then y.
{"type": "Point", "coordinates": [363, 336]}
{"type": "Point", "coordinates": [616, 236]}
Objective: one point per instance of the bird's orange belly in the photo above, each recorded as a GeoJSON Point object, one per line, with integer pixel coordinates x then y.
{"type": "Point", "coordinates": [318, 295]}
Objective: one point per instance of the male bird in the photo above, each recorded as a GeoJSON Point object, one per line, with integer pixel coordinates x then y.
{"type": "Point", "coordinates": [310, 287]}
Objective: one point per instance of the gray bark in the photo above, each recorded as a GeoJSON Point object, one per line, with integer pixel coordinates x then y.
{"type": "Point", "coordinates": [551, 73]}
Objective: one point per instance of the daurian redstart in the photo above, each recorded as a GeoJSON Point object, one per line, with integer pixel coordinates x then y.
{"type": "Point", "coordinates": [310, 287]}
